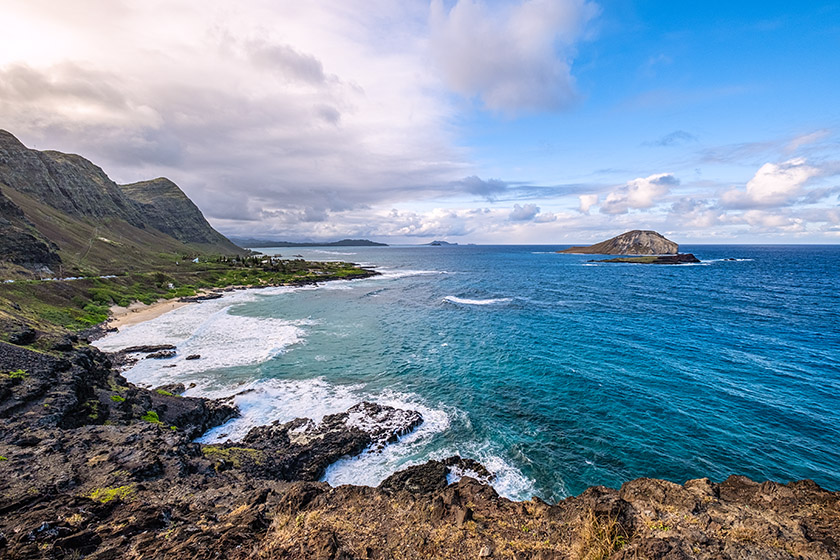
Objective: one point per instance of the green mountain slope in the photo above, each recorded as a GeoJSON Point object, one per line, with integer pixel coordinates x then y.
{"type": "Point", "coordinates": [166, 208]}
{"type": "Point", "coordinates": [62, 214]}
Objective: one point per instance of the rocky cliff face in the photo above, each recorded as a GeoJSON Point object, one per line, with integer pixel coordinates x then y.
{"type": "Point", "coordinates": [66, 182]}
{"type": "Point", "coordinates": [62, 206]}
{"type": "Point", "coordinates": [21, 243]}
{"type": "Point", "coordinates": [165, 207]}
{"type": "Point", "coordinates": [636, 242]}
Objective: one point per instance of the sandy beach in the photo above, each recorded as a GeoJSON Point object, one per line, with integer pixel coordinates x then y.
{"type": "Point", "coordinates": [139, 312]}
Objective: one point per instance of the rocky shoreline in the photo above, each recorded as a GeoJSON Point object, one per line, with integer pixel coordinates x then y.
{"type": "Point", "coordinates": [94, 467]}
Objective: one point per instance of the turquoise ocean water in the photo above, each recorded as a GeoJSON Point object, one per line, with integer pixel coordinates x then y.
{"type": "Point", "coordinates": [556, 373]}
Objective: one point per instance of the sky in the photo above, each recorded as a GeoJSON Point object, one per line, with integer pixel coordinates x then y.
{"type": "Point", "coordinates": [471, 121]}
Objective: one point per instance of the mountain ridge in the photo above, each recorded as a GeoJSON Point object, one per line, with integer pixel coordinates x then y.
{"type": "Point", "coordinates": [253, 242]}
{"type": "Point", "coordinates": [62, 210]}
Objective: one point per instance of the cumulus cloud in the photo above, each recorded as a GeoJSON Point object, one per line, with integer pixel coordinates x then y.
{"type": "Point", "coordinates": [587, 201]}
{"type": "Point", "coordinates": [524, 213]}
{"type": "Point", "coordinates": [774, 184]}
{"type": "Point", "coordinates": [514, 59]}
{"type": "Point", "coordinates": [638, 193]}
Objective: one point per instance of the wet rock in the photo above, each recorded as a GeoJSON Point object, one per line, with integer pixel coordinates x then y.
{"type": "Point", "coordinates": [162, 355]}
{"type": "Point", "coordinates": [146, 348]}
{"type": "Point", "coordinates": [193, 357]}
{"type": "Point", "coordinates": [302, 450]}
{"type": "Point", "coordinates": [170, 388]}
{"type": "Point", "coordinates": [422, 479]}
{"type": "Point", "coordinates": [196, 299]}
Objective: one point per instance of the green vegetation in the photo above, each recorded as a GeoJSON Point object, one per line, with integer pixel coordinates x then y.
{"type": "Point", "coordinates": [105, 495]}
{"type": "Point", "coordinates": [236, 456]}
{"type": "Point", "coordinates": [151, 416]}
{"type": "Point", "coordinates": [18, 375]}
{"type": "Point", "coordinates": [59, 307]}
{"type": "Point", "coordinates": [164, 393]}
{"type": "Point", "coordinates": [117, 398]}
{"type": "Point", "coordinates": [3, 458]}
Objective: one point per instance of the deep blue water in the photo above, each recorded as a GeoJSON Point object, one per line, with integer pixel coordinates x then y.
{"type": "Point", "coordinates": [562, 374]}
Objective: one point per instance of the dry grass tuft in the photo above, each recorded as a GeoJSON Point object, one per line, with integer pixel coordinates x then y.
{"type": "Point", "coordinates": [600, 537]}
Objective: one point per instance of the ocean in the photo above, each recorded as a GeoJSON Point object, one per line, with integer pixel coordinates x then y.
{"type": "Point", "coordinates": [554, 372]}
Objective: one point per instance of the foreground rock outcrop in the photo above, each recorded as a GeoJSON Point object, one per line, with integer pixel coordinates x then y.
{"type": "Point", "coordinates": [636, 242]}
{"type": "Point", "coordinates": [93, 467]}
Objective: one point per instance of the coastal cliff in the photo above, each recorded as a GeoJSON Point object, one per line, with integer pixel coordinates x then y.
{"type": "Point", "coordinates": [636, 242]}
{"type": "Point", "coordinates": [94, 467]}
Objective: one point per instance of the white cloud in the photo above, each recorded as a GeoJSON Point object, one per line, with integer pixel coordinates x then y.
{"type": "Point", "coordinates": [587, 201]}
{"type": "Point", "coordinates": [515, 59]}
{"type": "Point", "coordinates": [295, 106]}
{"type": "Point", "coordinates": [764, 221]}
{"type": "Point", "coordinates": [773, 185]}
{"type": "Point", "coordinates": [638, 193]}
{"type": "Point", "coordinates": [524, 213]}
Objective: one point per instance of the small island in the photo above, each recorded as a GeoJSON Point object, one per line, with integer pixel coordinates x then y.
{"type": "Point", "coordinates": [637, 247]}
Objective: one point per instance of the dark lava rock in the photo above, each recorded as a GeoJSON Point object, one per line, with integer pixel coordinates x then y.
{"type": "Point", "coordinates": [682, 258]}
{"type": "Point", "coordinates": [90, 472]}
{"type": "Point", "coordinates": [302, 450]}
{"type": "Point", "coordinates": [205, 297]}
{"type": "Point", "coordinates": [24, 336]}
{"type": "Point", "coordinates": [193, 357]}
{"type": "Point", "coordinates": [434, 475]}
{"type": "Point", "coordinates": [171, 388]}
{"type": "Point", "coordinates": [65, 344]}
{"type": "Point", "coordinates": [147, 349]}
{"type": "Point", "coordinates": [162, 355]}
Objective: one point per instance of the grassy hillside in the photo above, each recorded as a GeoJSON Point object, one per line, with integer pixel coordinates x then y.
{"type": "Point", "coordinates": [56, 308]}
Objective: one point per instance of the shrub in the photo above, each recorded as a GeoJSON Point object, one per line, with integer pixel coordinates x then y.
{"type": "Point", "coordinates": [151, 416]}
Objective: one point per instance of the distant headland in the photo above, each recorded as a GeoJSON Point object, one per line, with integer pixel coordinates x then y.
{"type": "Point", "coordinates": [251, 242]}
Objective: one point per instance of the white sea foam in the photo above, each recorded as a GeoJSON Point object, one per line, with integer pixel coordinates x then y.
{"type": "Point", "coordinates": [331, 252]}
{"type": "Point", "coordinates": [264, 401]}
{"type": "Point", "coordinates": [508, 481]}
{"type": "Point", "coordinates": [390, 274]}
{"type": "Point", "coordinates": [212, 331]}
{"type": "Point", "coordinates": [369, 469]}
{"type": "Point", "coordinates": [465, 301]}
